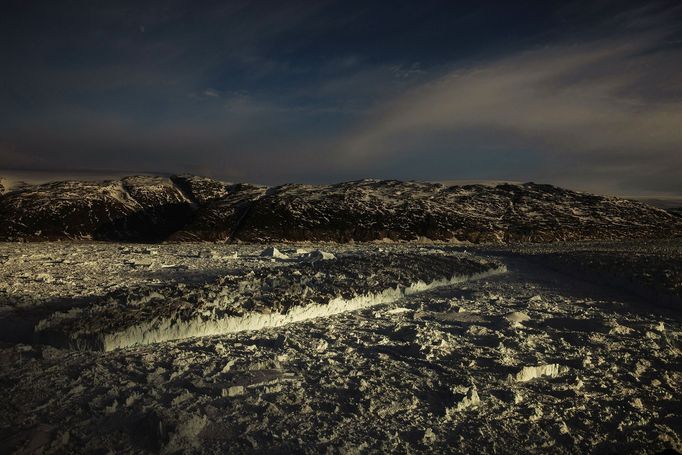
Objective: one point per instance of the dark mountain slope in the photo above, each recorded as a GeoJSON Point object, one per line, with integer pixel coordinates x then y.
{"type": "Point", "coordinates": [373, 210]}
{"type": "Point", "coordinates": [186, 208]}
{"type": "Point", "coordinates": [134, 208]}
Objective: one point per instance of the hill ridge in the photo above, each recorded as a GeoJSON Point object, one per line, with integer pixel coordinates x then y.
{"type": "Point", "coordinates": [189, 208]}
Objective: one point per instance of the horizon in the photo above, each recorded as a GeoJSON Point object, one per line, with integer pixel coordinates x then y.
{"type": "Point", "coordinates": [37, 177]}
{"type": "Point", "coordinates": [575, 94]}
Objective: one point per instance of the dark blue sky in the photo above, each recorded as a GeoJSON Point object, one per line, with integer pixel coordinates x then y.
{"type": "Point", "coordinates": [584, 94]}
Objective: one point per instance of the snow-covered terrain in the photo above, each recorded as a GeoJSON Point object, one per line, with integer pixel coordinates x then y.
{"type": "Point", "coordinates": [528, 359]}
{"type": "Point", "coordinates": [190, 208]}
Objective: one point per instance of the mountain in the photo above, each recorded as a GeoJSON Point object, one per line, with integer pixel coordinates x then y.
{"type": "Point", "coordinates": [187, 208]}
{"type": "Point", "coordinates": [133, 208]}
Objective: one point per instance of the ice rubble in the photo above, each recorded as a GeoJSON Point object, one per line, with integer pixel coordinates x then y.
{"type": "Point", "coordinates": [379, 381]}
{"type": "Point", "coordinates": [272, 252]}
{"type": "Point", "coordinates": [528, 373]}
{"type": "Point", "coordinates": [516, 318]}
{"type": "Point", "coordinates": [317, 255]}
{"type": "Point", "coordinates": [173, 329]}
{"type": "Point", "coordinates": [468, 401]}
{"type": "Point", "coordinates": [290, 291]}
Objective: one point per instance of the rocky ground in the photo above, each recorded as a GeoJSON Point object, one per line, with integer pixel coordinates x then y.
{"type": "Point", "coordinates": [530, 360]}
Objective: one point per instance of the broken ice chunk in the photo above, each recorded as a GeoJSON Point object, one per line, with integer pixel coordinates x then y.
{"type": "Point", "coordinates": [516, 318]}
{"type": "Point", "coordinates": [527, 373]}
{"type": "Point", "coordinates": [233, 391]}
{"type": "Point", "coordinates": [272, 252]}
{"type": "Point", "coordinates": [317, 255]}
{"type": "Point", "coordinates": [470, 400]}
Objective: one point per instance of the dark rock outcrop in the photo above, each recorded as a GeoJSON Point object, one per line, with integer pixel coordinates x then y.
{"type": "Point", "coordinates": [202, 190]}
{"type": "Point", "coordinates": [219, 219]}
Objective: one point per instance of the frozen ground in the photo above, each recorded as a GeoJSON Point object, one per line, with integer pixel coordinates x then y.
{"type": "Point", "coordinates": [651, 269]}
{"type": "Point", "coordinates": [534, 359]}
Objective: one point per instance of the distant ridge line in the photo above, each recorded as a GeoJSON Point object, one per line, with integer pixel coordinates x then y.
{"type": "Point", "coordinates": [192, 208]}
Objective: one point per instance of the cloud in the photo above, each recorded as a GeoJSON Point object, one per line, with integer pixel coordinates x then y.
{"type": "Point", "coordinates": [594, 105]}
{"type": "Point", "coordinates": [322, 92]}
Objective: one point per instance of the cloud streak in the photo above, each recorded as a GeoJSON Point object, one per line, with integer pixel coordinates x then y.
{"type": "Point", "coordinates": [583, 95]}
{"type": "Point", "coordinates": [585, 104]}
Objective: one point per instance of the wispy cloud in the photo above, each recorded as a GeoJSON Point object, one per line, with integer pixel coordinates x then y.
{"type": "Point", "coordinates": [586, 95]}
{"type": "Point", "coordinates": [212, 93]}
{"type": "Point", "coordinates": [586, 104]}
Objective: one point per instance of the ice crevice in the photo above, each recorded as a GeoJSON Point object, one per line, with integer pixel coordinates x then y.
{"type": "Point", "coordinates": [171, 328]}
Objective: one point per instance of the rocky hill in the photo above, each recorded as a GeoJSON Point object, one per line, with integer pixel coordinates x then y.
{"type": "Point", "coordinates": [133, 208]}
{"type": "Point", "coordinates": [183, 208]}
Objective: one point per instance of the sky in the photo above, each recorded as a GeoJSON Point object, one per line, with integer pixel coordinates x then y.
{"type": "Point", "coordinates": [581, 94]}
